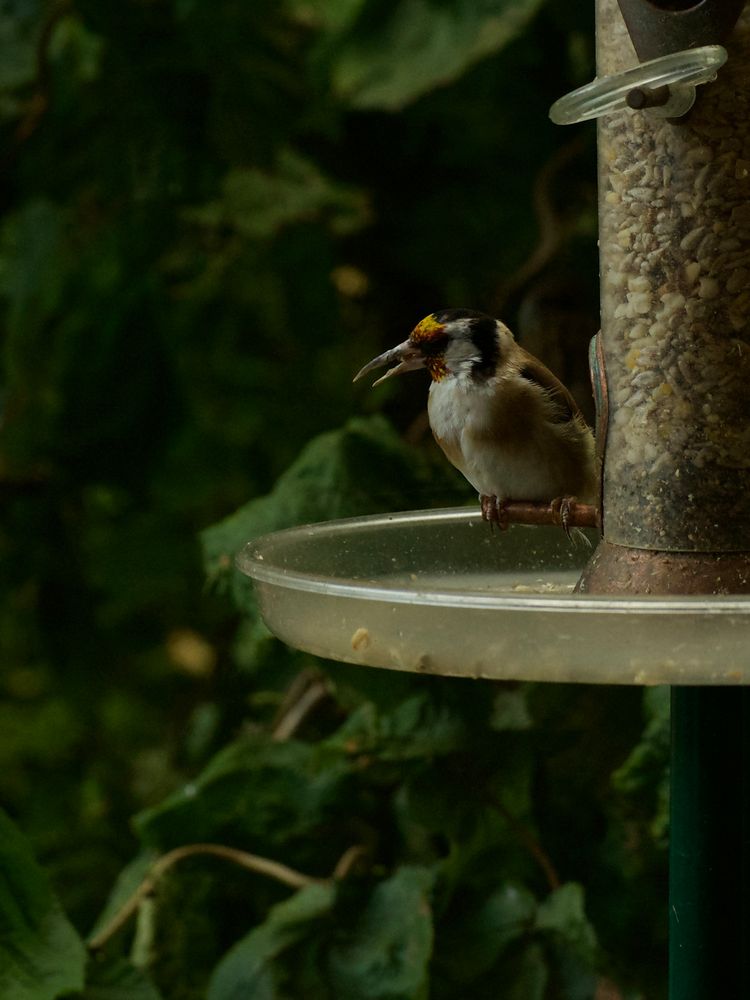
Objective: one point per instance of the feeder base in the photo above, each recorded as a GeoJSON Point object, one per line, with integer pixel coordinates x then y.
{"type": "Point", "coordinates": [619, 569]}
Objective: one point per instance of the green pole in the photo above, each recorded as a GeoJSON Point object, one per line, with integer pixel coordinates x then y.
{"type": "Point", "coordinates": [709, 889]}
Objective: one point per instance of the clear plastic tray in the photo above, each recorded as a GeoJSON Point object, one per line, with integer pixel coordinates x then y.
{"type": "Point", "coordinates": [438, 592]}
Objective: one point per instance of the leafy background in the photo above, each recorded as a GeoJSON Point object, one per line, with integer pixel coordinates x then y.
{"type": "Point", "coordinates": [213, 213]}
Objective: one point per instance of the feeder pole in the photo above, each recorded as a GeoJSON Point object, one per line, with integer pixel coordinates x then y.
{"type": "Point", "coordinates": [709, 888]}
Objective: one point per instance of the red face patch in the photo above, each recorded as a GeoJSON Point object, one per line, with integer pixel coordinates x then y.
{"type": "Point", "coordinates": [436, 367]}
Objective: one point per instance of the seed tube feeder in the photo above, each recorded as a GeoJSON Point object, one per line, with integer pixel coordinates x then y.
{"type": "Point", "coordinates": [665, 597]}
{"type": "Point", "coordinates": [674, 217]}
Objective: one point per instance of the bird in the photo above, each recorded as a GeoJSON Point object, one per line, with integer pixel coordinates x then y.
{"type": "Point", "coordinates": [500, 416]}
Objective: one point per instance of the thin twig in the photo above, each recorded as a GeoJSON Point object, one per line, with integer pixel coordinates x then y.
{"type": "Point", "coordinates": [40, 100]}
{"type": "Point", "coordinates": [532, 845]}
{"type": "Point", "coordinates": [123, 915]}
{"type": "Point", "coordinates": [251, 862]}
{"type": "Point", "coordinates": [348, 861]}
{"type": "Point", "coordinates": [607, 990]}
{"type": "Point", "coordinates": [551, 226]}
{"type": "Point", "coordinates": [295, 712]}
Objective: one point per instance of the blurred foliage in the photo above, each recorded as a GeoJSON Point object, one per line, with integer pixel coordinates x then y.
{"type": "Point", "coordinates": [212, 215]}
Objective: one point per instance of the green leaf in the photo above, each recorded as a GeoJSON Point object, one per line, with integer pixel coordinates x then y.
{"type": "Point", "coordinates": [260, 203]}
{"type": "Point", "coordinates": [362, 468]}
{"type": "Point", "coordinates": [563, 914]}
{"type": "Point", "coordinates": [117, 979]}
{"type": "Point", "coordinates": [477, 941]}
{"type": "Point", "coordinates": [247, 968]}
{"type": "Point", "coordinates": [510, 710]}
{"type": "Point", "coordinates": [127, 882]}
{"type": "Point", "coordinates": [42, 730]}
{"type": "Point", "coordinates": [648, 760]}
{"type": "Point", "coordinates": [444, 803]}
{"type": "Point", "coordinates": [32, 272]}
{"type": "Point", "coordinates": [256, 791]}
{"type": "Point", "coordinates": [415, 728]}
{"type": "Point", "coordinates": [388, 953]}
{"type": "Point", "coordinates": [334, 15]}
{"type": "Point", "coordinates": [416, 45]}
{"type": "Point", "coordinates": [17, 46]}
{"type": "Point", "coordinates": [41, 955]}
{"type": "Point", "coordinates": [525, 976]}
{"type": "Point", "coordinates": [644, 776]}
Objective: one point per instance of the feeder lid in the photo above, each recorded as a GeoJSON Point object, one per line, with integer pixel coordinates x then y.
{"type": "Point", "coordinates": [438, 592]}
{"type": "Point", "coordinates": [659, 27]}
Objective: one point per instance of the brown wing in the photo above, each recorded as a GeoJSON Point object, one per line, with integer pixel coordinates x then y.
{"type": "Point", "coordinates": [531, 369]}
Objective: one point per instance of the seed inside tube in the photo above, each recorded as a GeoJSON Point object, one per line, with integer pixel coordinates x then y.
{"type": "Point", "coordinates": [675, 253]}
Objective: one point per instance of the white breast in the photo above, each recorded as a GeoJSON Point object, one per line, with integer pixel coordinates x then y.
{"type": "Point", "coordinates": [454, 408]}
{"type": "Point", "coordinates": [535, 459]}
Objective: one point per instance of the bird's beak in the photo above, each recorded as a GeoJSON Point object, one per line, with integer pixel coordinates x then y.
{"type": "Point", "coordinates": [407, 356]}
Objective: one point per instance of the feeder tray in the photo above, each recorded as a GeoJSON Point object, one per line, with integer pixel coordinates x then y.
{"type": "Point", "coordinates": [439, 592]}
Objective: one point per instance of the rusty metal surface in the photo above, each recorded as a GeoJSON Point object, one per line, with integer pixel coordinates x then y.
{"type": "Point", "coordinates": [618, 569]}
{"type": "Point", "coordinates": [580, 515]}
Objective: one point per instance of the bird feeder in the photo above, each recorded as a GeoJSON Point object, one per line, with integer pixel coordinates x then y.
{"type": "Point", "coordinates": [667, 590]}
{"type": "Point", "coordinates": [671, 371]}
{"type": "Point", "coordinates": [674, 239]}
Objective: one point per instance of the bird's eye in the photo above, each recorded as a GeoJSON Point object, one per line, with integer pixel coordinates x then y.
{"type": "Point", "coordinates": [434, 346]}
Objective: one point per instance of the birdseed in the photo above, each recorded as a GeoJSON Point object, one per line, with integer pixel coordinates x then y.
{"type": "Point", "coordinates": [675, 263]}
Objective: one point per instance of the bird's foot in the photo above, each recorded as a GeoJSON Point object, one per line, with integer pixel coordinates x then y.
{"type": "Point", "coordinates": [494, 511]}
{"type": "Point", "coordinates": [561, 513]}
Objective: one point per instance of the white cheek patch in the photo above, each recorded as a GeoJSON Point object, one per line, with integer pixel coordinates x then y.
{"type": "Point", "coordinates": [460, 356]}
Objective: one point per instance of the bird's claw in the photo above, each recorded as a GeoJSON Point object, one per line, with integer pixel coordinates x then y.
{"type": "Point", "coordinates": [561, 512]}
{"type": "Point", "coordinates": [494, 512]}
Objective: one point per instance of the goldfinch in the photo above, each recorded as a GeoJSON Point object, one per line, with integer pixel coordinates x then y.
{"type": "Point", "coordinates": [500, 416]}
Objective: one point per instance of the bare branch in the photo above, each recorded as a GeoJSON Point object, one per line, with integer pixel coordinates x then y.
{"type": "Point", "coordinates": [251, 862]}
{"type": "Point", "coordinates": [299, 703]}
{"type": "Point", "coordinates": [531, 844]}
